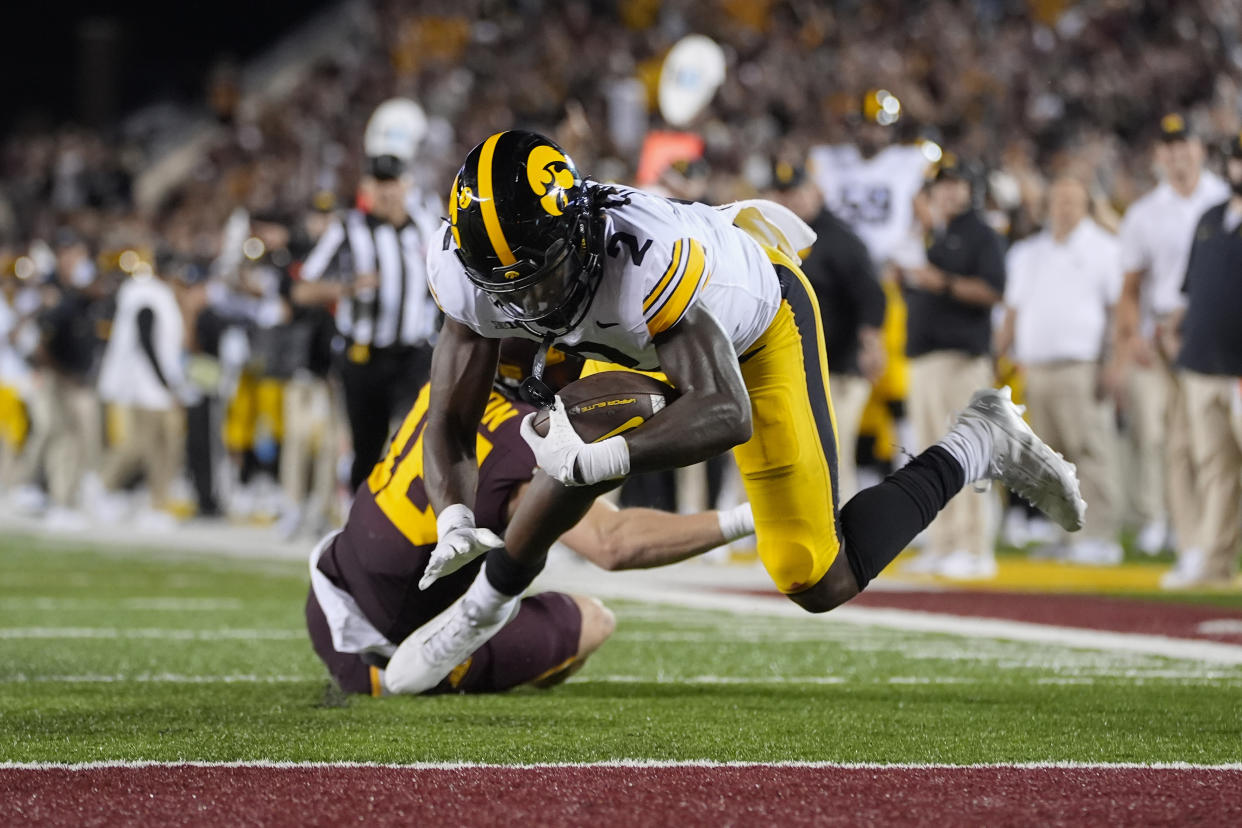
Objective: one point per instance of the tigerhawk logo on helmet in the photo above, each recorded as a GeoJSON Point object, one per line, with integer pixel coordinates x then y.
{"type": "Point", "coordinates": [529, 230]}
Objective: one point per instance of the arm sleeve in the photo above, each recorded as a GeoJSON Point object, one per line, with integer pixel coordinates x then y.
{"type": "Point", "coordinates": [992, 260]}
{"type": "Point", "coordinates": [1013, 275]}
{"type": "Point", "coordinates": [146, 338]}
{"type": "Point", "coordinates": [1114, 274]}
{"type": "Point", "coordinates": [1135, 254]}
{"type": "Point", "coordinates": [324, 252]}
{"type": "Point", "coordinates": [1200, 226]}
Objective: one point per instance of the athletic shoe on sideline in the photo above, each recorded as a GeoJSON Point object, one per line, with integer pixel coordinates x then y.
{"type": "Point", "coordinates": [1188, 572]}
{"type": "Point", "coordinates": [924, 563]}
{"type": "Point", "coordinates": [963, 566]}
{"type": "Point", "coordinates": [434, 649]}
{"type": "Point", "coordinates": [1152, 537]}
{"type": "Point", "coordinates": [1022, 462]}
{"type": "Point", "coordinates": [1096, 552]}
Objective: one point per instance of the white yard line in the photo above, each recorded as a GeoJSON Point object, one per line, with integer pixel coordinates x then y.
{"type": "Point", "coordinates": [647, 587]}
{"type": "Point", "coordinates": [150, 633]}
{"type": "Point", "coordinates": [156, 678]}
{"type": "Point", "coordinates": [167, 603]}
{"type": "Point", "coordinates": [1233, 767]}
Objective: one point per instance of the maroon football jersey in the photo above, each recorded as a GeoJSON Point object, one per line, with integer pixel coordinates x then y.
{"type": "Point", "coordinates": [386, 543]}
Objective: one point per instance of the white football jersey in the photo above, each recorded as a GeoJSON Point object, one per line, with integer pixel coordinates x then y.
{"type": "Point", "coordinates": [661, 258]}
{"type": "Point", "coordinates": [874, 196]}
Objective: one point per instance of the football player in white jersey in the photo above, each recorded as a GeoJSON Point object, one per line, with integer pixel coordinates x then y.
{"type": "Point", "coordinates": [871, 184]}
{"type": "Point", "coordinates": [714, 299]}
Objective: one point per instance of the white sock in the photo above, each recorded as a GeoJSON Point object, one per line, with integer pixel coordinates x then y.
{"type": "Point", "coordinates": [971, 446]}
{"type": "Point", "coordinates": [484, 604]}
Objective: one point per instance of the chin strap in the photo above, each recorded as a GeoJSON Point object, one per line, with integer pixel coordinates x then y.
{"type": "Point", "coordinates": [534, 390]}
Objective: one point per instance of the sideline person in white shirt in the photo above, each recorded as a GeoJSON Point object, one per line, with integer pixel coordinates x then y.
{"type": "Point", "coordinates": [1156, 235]}
{"type": "Point", "coordinates": [141, 375]}
{"type": "Point", "coordinates": [1063, 284]}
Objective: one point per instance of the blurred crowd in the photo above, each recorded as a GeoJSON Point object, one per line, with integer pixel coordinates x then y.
{"type": "Point", "coordinates": [1025, 92]}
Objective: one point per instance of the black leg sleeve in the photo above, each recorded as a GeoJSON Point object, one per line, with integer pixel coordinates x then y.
{"type": "Point", "coordinates": [509, 576]}
{"type": "Point", "coordinates": [879, 522]}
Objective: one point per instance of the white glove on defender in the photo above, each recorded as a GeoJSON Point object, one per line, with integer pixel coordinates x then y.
{"type": "Point", "coordinates": [562, 451]}
{"type": "Point", "coordinates": [459, 543]}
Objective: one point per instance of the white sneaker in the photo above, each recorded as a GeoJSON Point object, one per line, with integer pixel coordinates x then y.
{"type": "Point", "coordinates": [65, 519]}
{"type": "Point", "coordinates": [290, 523]}
{"type": "Point", "coordinates": [1151, 538]}
{"type": "Point", "coordinates": [1041, 530]}
{"type": "Point", "coordinates": [1022, 462]}
{"type": "Point", "coordinates": [1016, 531]}
{"type": "Point", "coordinates": [155, 521]}
{"type": "Point", "coordinates": [1187, 572]}
{"type": "Point", "coordinates": [28, 499]}
{"type": "Point", "coordinates": [1054, 551]}
{"type": "Point", "coordinates": [963, 566]}
{"type": "Point", "coordinates": [924, 563]}
{"type": "Point", "coordinates": [1096, 552]}
{"type": "Point", "coordinates": [434, 649]}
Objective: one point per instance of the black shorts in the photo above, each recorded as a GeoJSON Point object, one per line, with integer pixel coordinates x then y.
{"type": "Point", "coordinates": [541, 640]}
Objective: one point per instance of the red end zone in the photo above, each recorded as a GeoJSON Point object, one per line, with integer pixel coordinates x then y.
{"type": "Point", "coordinates": [620, 795]}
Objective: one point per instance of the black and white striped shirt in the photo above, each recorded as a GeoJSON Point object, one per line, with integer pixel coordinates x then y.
{"type": "Point", "coordinates": [402, 311]}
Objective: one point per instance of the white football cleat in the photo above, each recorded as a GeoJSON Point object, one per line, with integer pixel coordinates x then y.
{"type": "Point", "coordinates": [432, 651]}
{"type": "Point", "coordinates": [1022, 462]}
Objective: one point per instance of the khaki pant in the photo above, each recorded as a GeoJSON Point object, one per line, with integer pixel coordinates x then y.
{"type": "Point", "coordinates": [1147, 406]}
{"type": "Point", "coordinates": [1063, 409]}
{"type": "Point", "coordinates": [152, 441]}
{"type": "Point", "coordinates": [1213, 409]}
{"type": "Point", "coordinates": [308, 452]}
{"type": "Point", "coordinates": [66, 436]}
{"type": "Point", "coordinates": [1185, 510]}
{"type": "Point", "coordinates": [940, 385]}
{"type": "Point", "coordinates": [849, 397]}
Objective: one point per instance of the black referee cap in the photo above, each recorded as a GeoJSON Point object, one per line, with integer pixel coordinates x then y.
{"type": "Point", "coordinates": [385, 167]}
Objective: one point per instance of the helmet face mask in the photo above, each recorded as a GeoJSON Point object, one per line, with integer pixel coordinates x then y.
{"type": "Point", "coordinates": [526, 232]}
{"type": "Point", "coordinates": [551, 290]}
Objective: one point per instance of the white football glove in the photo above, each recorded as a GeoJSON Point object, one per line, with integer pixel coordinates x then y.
{"type": "Point", "coordinates": [567, 459]}
{"type": "Point", "coordinates": [460, 542]}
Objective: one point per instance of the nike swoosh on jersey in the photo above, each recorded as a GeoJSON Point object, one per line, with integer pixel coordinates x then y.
{"type": "Point", "coordinates": [607, 324]}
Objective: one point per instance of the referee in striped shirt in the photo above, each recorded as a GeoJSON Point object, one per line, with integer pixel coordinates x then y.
{"type": "Point", "coordinates": [371, 265]}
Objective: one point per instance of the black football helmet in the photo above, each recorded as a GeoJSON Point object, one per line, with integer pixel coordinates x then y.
{"type": "Point", "coordinates": [527, 232]}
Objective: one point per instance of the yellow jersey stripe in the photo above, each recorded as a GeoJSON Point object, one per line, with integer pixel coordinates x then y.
{"type": "Point", "coordinates": [679, 299]}
{"type": "Point", "coordinates": [491, 220]}
{"type": "Point", "coordinates": [665, 279]}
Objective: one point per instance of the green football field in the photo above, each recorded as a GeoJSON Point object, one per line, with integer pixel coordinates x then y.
{"type": "Point", "coordinates": [109, 655]}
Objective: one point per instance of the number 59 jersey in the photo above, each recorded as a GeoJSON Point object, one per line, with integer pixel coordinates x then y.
{"type": "Point", "coordinates": [660, 259]}
{"type": "Point", "coordinates": [874, 196]}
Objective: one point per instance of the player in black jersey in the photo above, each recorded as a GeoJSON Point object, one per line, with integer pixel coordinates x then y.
{"type": "Point", "coordinates": [365, 600]}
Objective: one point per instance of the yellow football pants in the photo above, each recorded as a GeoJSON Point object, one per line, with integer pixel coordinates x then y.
{"type": "Point", "coordinates": [789, 465]}
{"type": "Point", "coordinates": [258, 400]}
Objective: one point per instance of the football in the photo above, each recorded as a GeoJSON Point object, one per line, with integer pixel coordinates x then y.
{"type": "Point", "coordinates": [609, 403]}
